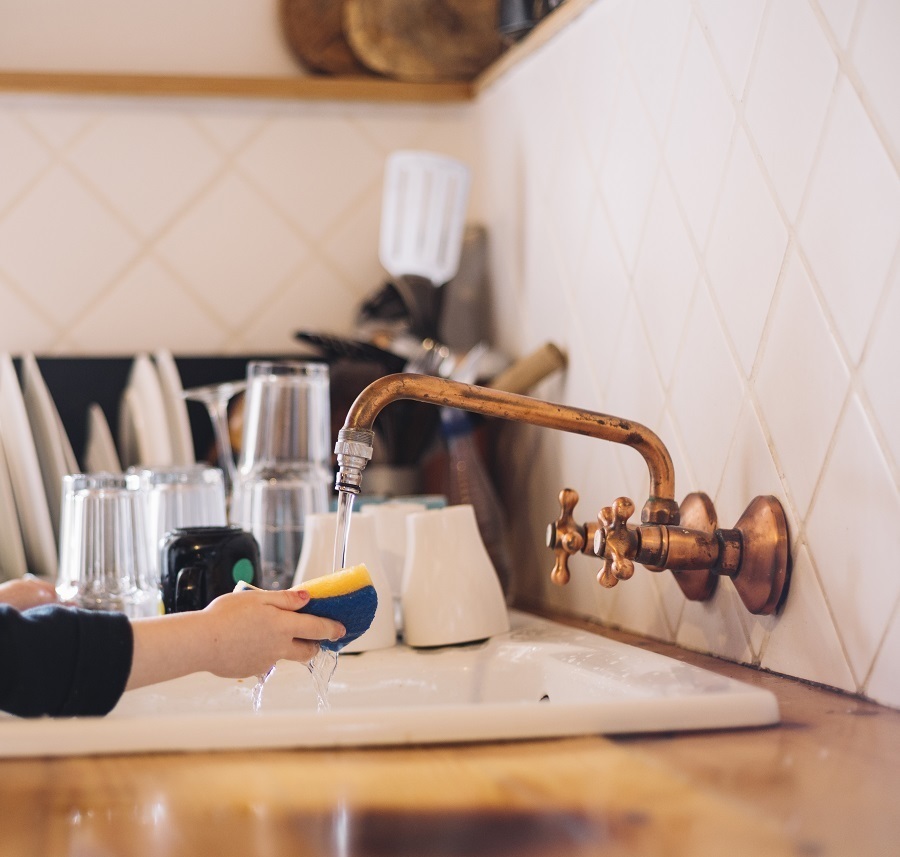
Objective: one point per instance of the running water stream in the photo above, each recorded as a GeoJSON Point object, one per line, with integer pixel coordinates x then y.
{"type": "Point", "coordinates": [323, 665]}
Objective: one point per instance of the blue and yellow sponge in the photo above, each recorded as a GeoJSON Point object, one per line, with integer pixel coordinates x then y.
{"type": "Point", "coordinates": [347, 596]}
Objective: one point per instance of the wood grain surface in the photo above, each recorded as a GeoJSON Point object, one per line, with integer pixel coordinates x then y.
{"type": "Point", "coordinates": [822, 783]}
{"type": "Point", "coordinates": [423, 40]}
{"type": "Point", "coordinates": [314, 32]}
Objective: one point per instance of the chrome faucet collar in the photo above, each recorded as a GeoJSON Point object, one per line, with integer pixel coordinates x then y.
{"type": "Point", "coordinates": [354, 450]}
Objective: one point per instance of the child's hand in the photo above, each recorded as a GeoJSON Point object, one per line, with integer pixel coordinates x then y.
{"type": "Point", "coordinates": [26, 592]}
{"type": "Point", "coordinates": [238, 635]}
{"type": "Point", "coordinates": [252, 630]}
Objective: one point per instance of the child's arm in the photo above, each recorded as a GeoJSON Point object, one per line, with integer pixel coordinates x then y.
{"type": "Point", "coordinates": [238, 635]}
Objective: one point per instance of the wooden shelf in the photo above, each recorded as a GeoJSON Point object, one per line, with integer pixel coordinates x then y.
{"type": "Point", "coordinates": [308, 87]}
{"type": "Point", "coordinates": [301, 87]}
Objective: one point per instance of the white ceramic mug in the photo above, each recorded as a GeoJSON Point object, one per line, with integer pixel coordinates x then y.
{"type": "Point", "coordinates": [451, 593]}
{"type": "Point", "coordinates": [317, 558]}
{"type": "Point", "coordinates": [390, 533]}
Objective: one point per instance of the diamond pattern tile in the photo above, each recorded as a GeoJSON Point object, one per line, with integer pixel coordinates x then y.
{"type": "Point", "coordinates": [879, 370]}
{"type": "Point", "coordinates": [592, 80]}
{"type": "Point", "coordinates": [804, 640]}
{"type": "Point", "coordinates": [283, 161]}
{"type": "Point", "coordinates": [147, 166]}
{"type": "Point", "coordinates": [788, 96]}
{"type": "Point", "coordinates": [23, 159]}
{"type": "Point", "coordinates": [840, 15]}
{"type": "Point", "coordinates": [89, 245]}
{"type": "Point", "coordinates": [629, 169]}
{"type": "Point", "coordinates": [666, 259]}
{"type": "Point", "coordinates": [314, 298]}
{"type": "Point", "coordinates": [857, 496]}
{"type": "Point", "coordinates": [601, 290]}
{"type": "Point", "coordinates": [705, 372]}
{"type": "Point", "coordinates": [634, 390]}
{"type": "Point", "coordinates": [232, 247]}
{"type": "Point", "coordinates": [58, 124]}
{"type": "Point", "coordinates": [655, 46]}
{"type": "Point", "coordinates": [570, 199]}
{"type": "Point", "coordinates": [733, 28]}
{"type": "Point", "coordinates": [230, 129]}
{"type": "Point", "coordinates": [149, 299]}
{"type": "Point", "coordinates": [750, 472]}
{"type": "Point", "coordinates": [699, 135]}
{"type": "Point", "coordinates": [714, 626]}
{"type": "Point", "coordinates": [22, 328]}
{"type": "Point", "coordinates": [801, 390]}
{"type": "Point", "coordinates": [746, 251]}
{"type": "Point", "coordinates": [874, 53]}
{"type": "Point", "coordinates": [855, 176]}
{"type": "Point", "coordinates": [882, 683]}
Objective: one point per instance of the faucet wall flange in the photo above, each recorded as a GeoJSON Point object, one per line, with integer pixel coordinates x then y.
{"type": "Point", "coordinates": [698, 513]}
{"type": "Point", "coordinates": [763, 574]}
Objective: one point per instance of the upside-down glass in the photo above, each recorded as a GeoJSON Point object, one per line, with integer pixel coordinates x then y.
{"type": "Point", "coordinates": [104, 548]}
{"type": "Point", "coordinates": [284, 469]}
{"type": "Point", "coordinates": [178, 496]}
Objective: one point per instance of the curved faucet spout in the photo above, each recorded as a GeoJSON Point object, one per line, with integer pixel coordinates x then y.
{"type": "Point", "coordinates": [660, 508]}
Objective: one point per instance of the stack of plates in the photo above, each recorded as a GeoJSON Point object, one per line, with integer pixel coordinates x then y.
{"type": "Point", "coordinates": [26, 478]}
{"type": "Point", "coordinates": [35, 452]}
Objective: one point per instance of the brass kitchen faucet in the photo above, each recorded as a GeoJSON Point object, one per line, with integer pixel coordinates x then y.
{"type": "Point", "coordinates": [685, 539]}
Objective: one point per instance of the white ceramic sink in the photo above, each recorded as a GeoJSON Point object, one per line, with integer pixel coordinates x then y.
{"type": "Point", "coordinates": [541, 679]}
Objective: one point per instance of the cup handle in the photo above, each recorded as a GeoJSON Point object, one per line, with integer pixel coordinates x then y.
{"type": "Point", "coordinates": [189, 589]}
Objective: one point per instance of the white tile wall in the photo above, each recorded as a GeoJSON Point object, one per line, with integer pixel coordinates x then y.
{"type": "Point", "coordinates": [739, 292]}
{"type": "Point", "coordinates": [200, 226]}
{"type": "Point", "coordinates": [699, 199]}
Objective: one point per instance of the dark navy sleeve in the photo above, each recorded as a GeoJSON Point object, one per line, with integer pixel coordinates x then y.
{"type": "Point", "coordinates": [63, 661]}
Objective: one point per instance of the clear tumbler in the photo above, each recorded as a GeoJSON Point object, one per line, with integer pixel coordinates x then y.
{"type": "Point", "coordinates": [284, 468]}
{"type": "Point", "coordinates": [104, 548]}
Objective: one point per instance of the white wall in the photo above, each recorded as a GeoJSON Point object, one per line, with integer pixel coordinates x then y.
{"type": "Point", "coordinates": [700, 200]}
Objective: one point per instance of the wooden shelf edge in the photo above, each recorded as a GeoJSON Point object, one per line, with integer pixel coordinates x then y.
{"type": "Point", "coordinates": [302, 88]}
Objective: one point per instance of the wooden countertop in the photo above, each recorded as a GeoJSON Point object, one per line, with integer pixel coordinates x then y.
{"type": "Point", "coordinates": [824, 782]}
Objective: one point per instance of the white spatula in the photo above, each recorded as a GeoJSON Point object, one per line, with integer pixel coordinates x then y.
{"type": "Point", "coordinates": [422, 221]}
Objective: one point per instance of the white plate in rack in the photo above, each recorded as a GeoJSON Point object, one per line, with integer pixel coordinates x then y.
{"type": "Point", "coordinates": [176, 408]}
{"type": "Point", "coordinates": [25, 474]}
{"type": "Point", "coordinates": [100, 453]}
{"type": "Point", "coordinates": [12, 552]}
{"type": "Point", "coordinates": [51, 442]}
{"type": "Point", "coordinates": [144, 408]}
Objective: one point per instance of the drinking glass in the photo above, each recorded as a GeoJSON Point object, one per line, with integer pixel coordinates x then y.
{"type": "Point", "coordinates": [216, 398]}
{"type": "Point", "coordinates": [104, 550]}
{"type": "Point", "coordinates": [284, 469]}
{"type": "Point", "coordinates": [179, 496]}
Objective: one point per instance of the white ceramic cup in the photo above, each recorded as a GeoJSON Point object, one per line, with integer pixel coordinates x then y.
{"type": "Point", "coordinates": [451, 593]}
{"type": "Point", "coordinates": [390, 534]}
{"type": "Point", "coordinates": [317, 558]}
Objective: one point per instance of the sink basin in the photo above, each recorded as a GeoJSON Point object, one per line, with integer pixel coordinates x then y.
{"type": "Point", "coordinates": [541, 679]}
